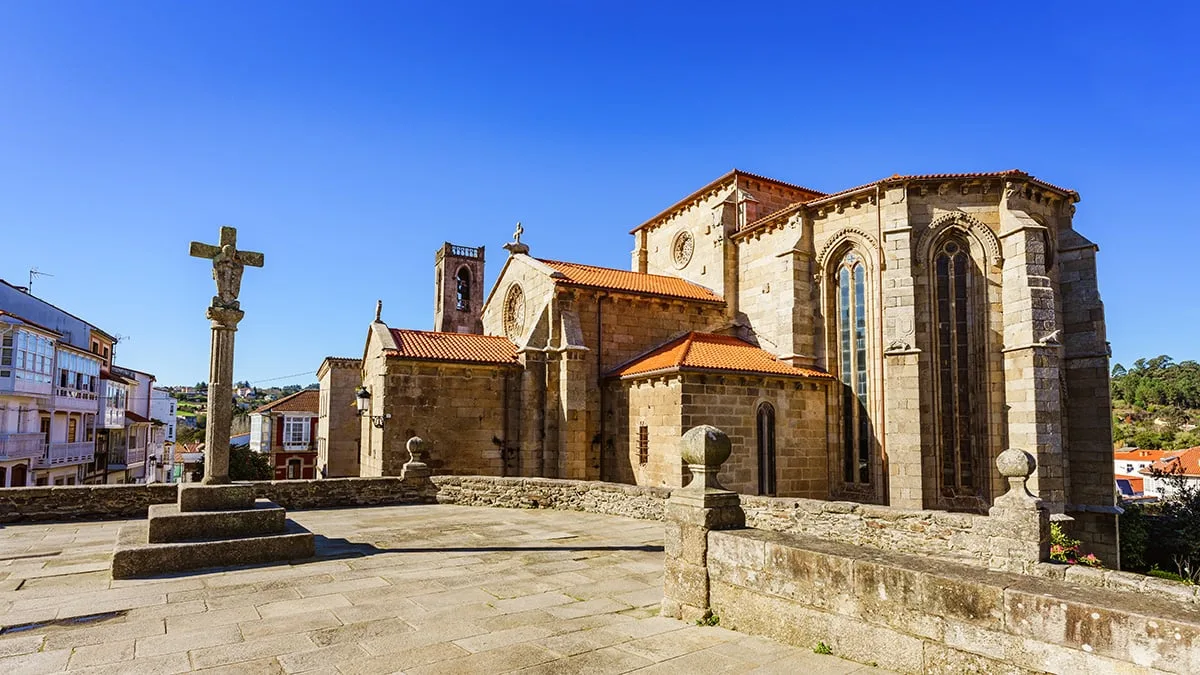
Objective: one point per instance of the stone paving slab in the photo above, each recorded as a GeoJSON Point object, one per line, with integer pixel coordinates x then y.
{"type": "Point", "coordinates": [404, 589]}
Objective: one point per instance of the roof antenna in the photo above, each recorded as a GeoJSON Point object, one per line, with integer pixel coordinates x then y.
{"type": "Point", "coordinates": [33, 272]}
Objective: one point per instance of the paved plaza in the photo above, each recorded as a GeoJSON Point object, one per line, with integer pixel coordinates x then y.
{"type": "Point", "coordinates": [413, 589]}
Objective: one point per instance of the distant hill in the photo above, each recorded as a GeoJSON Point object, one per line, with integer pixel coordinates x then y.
{"type": "Point", "coordinates": [1156, 404]}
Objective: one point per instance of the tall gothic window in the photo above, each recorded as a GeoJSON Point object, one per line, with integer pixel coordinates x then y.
{"type": "Point", "coordinates": [463, 289]}
{"type": "Point", "coordinates": [766, 449]}
{"type": "Point", "coordinates": [852, 352]}
{"type": "Point", "coordinates": [956, 367]}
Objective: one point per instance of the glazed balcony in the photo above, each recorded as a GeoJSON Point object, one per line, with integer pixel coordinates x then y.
{"type": "Point", "coordinates": [64, 454]}
{"type": "Point", "coordinates": [21, 446]}
{"type": "Point", "coordinates": [135, 455]}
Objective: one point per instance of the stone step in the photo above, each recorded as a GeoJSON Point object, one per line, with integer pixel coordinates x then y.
{"type": "Point", "coordinates": [135, 557]}
{"type": "Point", "coordinates": [169, 524]}
{"type": "Point", "coordinates": [196, 497]}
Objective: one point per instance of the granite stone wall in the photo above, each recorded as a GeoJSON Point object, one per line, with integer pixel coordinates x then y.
{"type": "Point", "coordinates": [954, 536]}
{"type": "Point", "coordinates": [344, 492]}
{"type": "Point", "coordinates": [644, 503]}
{"type": "Point", "coordinates": [82, 502]}
{"type": "Point", "coordinates": [112, 502]}
{"type": "Point", "coordinates": [913, 614]}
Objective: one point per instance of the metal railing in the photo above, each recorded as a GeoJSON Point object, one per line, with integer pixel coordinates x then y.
{"type": "Point", "coordinates": [21, 446]}
{"type": "Point", "coordinates": [61, 454]}
{"type": "Point", "coordinates": [71, 392]}
{"type": "Point", "coordinates": [464, 251]}
{"type": "Point", "coordinates": [135, 455]}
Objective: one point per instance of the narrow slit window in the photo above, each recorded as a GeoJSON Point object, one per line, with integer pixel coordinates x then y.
{"type": "Point", "coordinates": [643, 444]}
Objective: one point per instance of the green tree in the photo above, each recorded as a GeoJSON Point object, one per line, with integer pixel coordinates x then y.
{"type": "Point", "coordinates": [247, 465]}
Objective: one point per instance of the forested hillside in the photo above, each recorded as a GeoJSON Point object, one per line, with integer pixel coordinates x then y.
{"type": "Point", "coordinates": [1156, 403]}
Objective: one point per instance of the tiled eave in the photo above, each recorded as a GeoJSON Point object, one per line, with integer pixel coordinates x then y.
{"type": "Point", "coordinates": [867, 192]}
{"type": "Point", "coordinates": [682, 370]}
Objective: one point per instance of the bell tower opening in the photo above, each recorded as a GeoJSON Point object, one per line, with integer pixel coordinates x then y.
{"type": "Point", "coordinates": [458, 285]}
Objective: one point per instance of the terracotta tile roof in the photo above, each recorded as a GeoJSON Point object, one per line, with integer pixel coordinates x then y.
{"type": "Point", "coordinates": [131, 416]}
{"type": "Point", "coordinates": [707, 351]}
{"type": "Point", "coordinates": [305, 400]}
{"type": "Point", "coordinates": [427, 345]}
{"type": "Point", "coordinates": [1139, 455]}
{"type": "Point", "coordinates": [897, 178]}
{"type": "Point", "coordinates": [1137, 484]}
{"type": "Point", "coordinates": [588, 276]}
{"type": "Point", "coordinates": [1177, 462]}
{"type": "Point", "coordinates": [733, 174]}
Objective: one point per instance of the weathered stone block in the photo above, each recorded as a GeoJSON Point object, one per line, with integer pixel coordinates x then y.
{"type": "Point", "coordinates": [215, 497]}
{"type": "Point", "coordinates": [135, 557]}
{"type": "Point", "coordinates": [168, 524]}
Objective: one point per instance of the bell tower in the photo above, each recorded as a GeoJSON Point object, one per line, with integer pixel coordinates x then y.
{"type": "Point", "coordinates": [458, 289]}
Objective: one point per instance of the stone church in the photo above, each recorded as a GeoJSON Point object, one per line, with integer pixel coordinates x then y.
{"type": "Point", "coordinates": [882, 344]}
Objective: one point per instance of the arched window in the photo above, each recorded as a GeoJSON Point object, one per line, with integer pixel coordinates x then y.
{"type": "Point", "coordinates": [463, 288]}
{"type": "Point", "coordinates": [957, 368]}
{"type": "Point", "coordinates": [766, 449]}
{"type": "Point", "coordinates": [852, 365]}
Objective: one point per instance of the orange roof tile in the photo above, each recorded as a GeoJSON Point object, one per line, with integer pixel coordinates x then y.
{"type": "Point", "coordinates": [305, 400]}
{"type": "Point", "coordinates": [1139, 455]}
{"type": "Point", "coordinates": [1177, 462]}
{"type": "Point", "coordinates": [427, 345]}
{"type": "Point", "coordinates": [589, 276]}
{"type": "Point", "coordinates": [734, 173]}
{"type": "Point", "coordinates": [1137, 484]}
{"type": "Point", "coordinates": [707, 351]}
{"type": "Point", "coordinates": [897, 178]}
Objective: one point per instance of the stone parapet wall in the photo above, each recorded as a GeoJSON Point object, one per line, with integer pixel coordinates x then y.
{"type": "Point", "coordinates": [614, 499]}
{"type": "Point", "coordinates": [82, 502]}
{"type": "Point", "coordinates": [115, 502]}
{"type": "Point", "coordinates": [1099, 577]}
{"type": "Point", "coordinates": [913, 614]}
{"type": "Point", "coordinates": [953, 536]}
{"type": "Point", "coordinates": [341, 492]}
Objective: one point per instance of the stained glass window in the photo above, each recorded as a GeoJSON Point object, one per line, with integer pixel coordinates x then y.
{"type": "Point", "coordinates": [852, 346]}
{"type": "Point", "coordinates": [955, 364]}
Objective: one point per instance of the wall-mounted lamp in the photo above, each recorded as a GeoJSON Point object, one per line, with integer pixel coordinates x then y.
{"type": "Point", "coordinates": [362, 399]}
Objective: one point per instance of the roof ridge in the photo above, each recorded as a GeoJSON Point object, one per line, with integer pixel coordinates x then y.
{"type": "Point", "coordinates": [267, 406]}
{"type": "Point", "coordinates": [688, 341]}
{"type": "Point", "coordinates": [442, 332]}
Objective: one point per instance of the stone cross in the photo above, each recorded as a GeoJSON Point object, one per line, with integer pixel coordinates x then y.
{"type": "Point", "coordinates": [224, 313]}
{"type": "Point", "coordinates": [517, 233]}
{"type": "Point", "coordinates": [228, 263]}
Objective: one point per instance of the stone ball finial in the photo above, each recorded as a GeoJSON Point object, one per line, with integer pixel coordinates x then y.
{"type": "Point", "coordinates": [416, 447]}
{"type": "Point", "coordinates": [706, 445]}
{"type": "Point", "coordinates": [1016, 463]}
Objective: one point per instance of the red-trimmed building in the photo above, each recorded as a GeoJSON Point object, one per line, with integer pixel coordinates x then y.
{"type": "Point", "coordinates": [287, 430]}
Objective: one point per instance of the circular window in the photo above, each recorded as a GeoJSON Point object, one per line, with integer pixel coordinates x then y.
{"type": "Point", "coordinates": [681, 249]}
{"type": "Point", "coordinates": [514, 312]}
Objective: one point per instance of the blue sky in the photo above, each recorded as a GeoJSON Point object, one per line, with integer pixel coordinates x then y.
{"type": "Point", "coordinates": [347, 141]}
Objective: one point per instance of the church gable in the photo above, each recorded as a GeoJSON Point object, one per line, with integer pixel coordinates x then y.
{"type": "Point", "coordinates": [519, 303]}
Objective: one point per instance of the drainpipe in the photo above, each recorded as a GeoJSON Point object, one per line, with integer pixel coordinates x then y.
{"type": "Point", "coordinates": [600, 371]}
{"type": "Point", "coordinates": [882, 436]}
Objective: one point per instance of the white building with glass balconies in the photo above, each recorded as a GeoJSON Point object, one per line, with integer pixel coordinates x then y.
{"type": "Point", "coordinates": [48, 405]}
{"type": "Point", "coordinates": [51, 391]}
{"type": "Point", "coordinates": [162, 412]}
